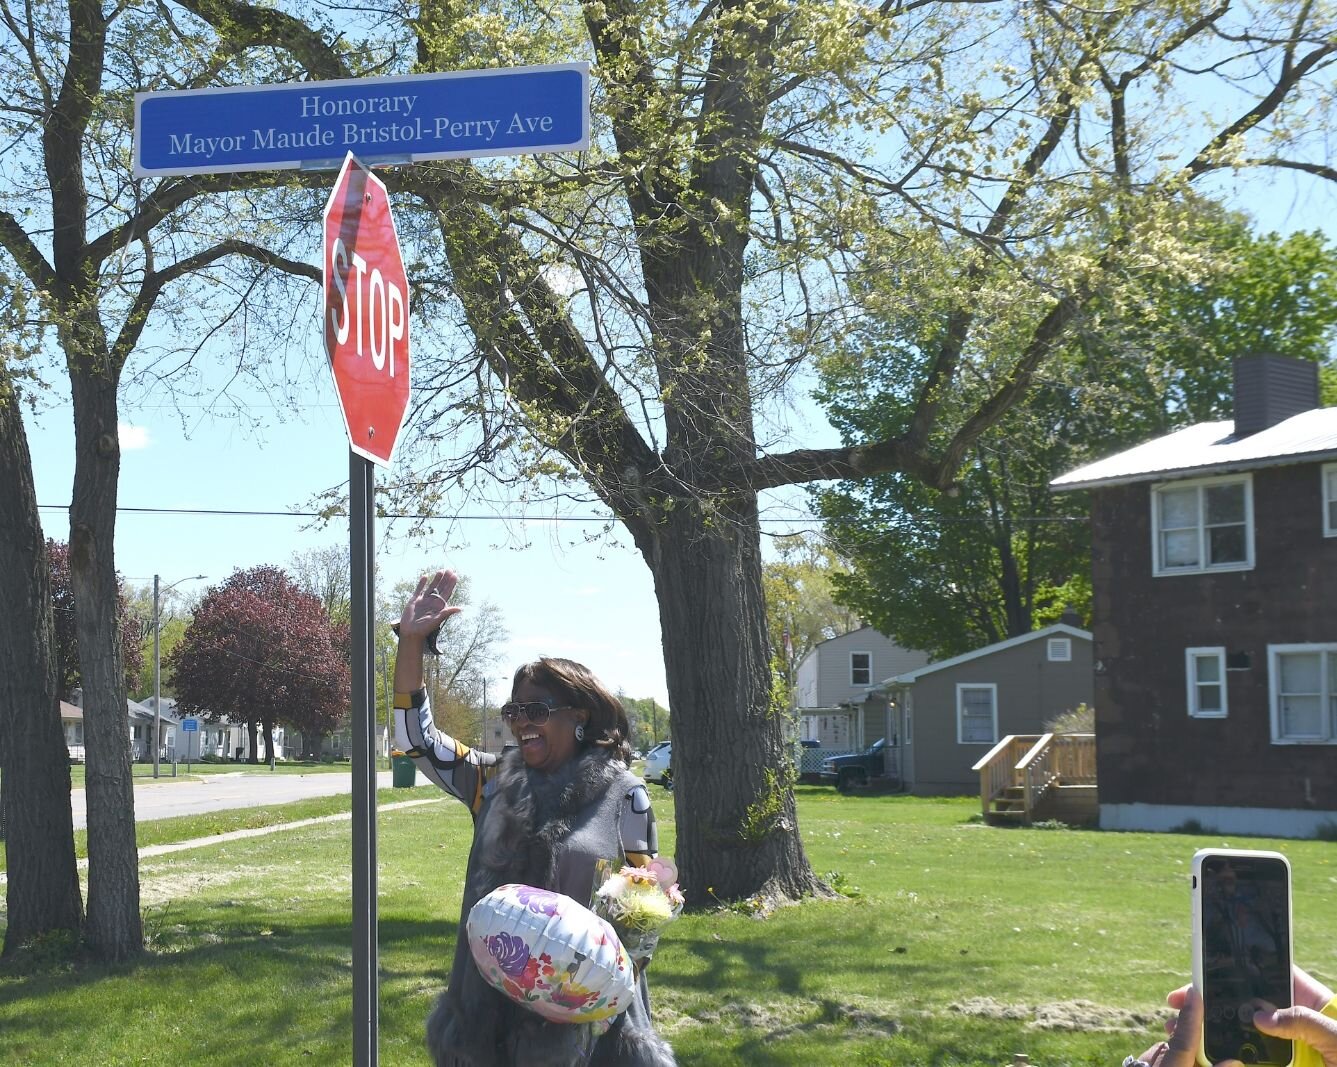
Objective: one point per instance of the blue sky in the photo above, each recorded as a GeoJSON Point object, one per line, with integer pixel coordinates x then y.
{"type": "Point", "coordinates": [563, 595]}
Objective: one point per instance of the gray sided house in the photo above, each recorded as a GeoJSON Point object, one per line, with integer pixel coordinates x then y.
{"type": "Point", "coordinates": [831, 688]}
{"type": "Point", "coordinates": [950, 714]}
{"type": "Point", "coordinates": [1214, 572]}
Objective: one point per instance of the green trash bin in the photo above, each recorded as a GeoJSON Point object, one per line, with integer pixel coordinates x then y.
{"type": "Point", "coordinates": [406, 772]}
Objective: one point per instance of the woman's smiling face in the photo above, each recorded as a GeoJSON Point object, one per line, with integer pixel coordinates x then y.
{"type": "Point", "coordinates": [546, 746]}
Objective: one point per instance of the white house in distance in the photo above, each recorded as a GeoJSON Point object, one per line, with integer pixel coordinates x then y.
{"type": "Point", "coordinates": [831, 686]}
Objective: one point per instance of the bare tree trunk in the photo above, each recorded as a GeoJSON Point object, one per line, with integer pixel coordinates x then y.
{"type": "Point", "coordinates": [42, 891]}
{"type": "Point", "coordinates": [114, 930]}
{"type": "Point", "coordinates": [253, 739]}
{"type": "Point", "coordinates": [740, 838]}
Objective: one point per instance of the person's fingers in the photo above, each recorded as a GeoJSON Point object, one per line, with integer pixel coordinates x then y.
{"type": "Point", "coordinates": [1309, 991]}
{"type": "Point", "coordinates": [1176, 997]}
{"type": "Point", "coordinates": [1182, 1050]}
{"type": "Point", "coordinates": [1302, 1024]}
{"type": "Point", "coordinates": [446, 581]}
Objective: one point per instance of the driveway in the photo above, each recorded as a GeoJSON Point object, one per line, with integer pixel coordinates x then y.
{"type": "Point", "coordinates": [162, 799]}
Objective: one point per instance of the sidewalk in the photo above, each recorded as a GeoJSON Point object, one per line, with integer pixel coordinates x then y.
{"type": "Point", "coordinates": [259, 831]}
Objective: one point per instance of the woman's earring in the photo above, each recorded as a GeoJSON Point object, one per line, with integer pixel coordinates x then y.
{"type": "Point", "coordinates": [580, 731]}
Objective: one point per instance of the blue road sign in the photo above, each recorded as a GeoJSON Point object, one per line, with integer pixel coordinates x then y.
{"type": "Point", "coordinates": [509, 111]}
{"type": "Point", "coordinates": [190, 726]}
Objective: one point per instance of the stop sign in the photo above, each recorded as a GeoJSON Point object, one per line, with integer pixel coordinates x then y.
{"type": "Point", "coordinates": [366, 312]}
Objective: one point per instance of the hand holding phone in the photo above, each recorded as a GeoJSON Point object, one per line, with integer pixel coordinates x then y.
{"type": "Point", "coordinates": [1241, 952]}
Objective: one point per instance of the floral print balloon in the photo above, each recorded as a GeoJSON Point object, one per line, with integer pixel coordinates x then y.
{"type": "Point", "coordinates": [550, 954]}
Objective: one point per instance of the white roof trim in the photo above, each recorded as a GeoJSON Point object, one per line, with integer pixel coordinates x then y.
{"type": "Point", "coordinates": [910, 677]}
{"type": "Point", "coordinates": [1212, 448]}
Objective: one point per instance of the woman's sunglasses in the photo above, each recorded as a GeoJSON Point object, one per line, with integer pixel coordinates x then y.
{"type": "Point", "coordinates": [536, 711]}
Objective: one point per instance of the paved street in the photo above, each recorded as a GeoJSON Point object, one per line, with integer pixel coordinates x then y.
{"type": "Point", "coordinates": [164, 798]}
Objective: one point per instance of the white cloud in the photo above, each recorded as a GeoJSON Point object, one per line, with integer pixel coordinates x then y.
{"type": "Point", "coordinates": [132, 438]}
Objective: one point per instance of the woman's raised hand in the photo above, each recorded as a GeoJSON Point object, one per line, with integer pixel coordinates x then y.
{"type": "Point", "coordinates": [429, 606]}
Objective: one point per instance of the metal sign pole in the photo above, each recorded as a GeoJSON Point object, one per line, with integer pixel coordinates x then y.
{"type": "Point", "coordinates": [362, 531]}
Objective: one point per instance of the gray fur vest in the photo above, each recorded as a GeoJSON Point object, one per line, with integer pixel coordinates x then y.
{"type": "Point", "coordinates": [544, 830]}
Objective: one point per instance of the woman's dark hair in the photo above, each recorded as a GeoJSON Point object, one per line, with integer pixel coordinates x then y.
{"type": "Point", "coordinates": [576, 686]}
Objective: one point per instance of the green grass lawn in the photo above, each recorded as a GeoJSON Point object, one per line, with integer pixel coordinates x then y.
{"type": "Point", "coordinates": [956, 944]}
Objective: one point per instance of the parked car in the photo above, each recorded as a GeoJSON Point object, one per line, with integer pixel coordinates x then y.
{"type": "Point", "coordinates": [858, 769]}
{"type": "Point", "coordinates": [658, 764]}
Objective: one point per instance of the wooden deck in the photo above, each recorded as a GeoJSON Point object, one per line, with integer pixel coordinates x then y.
{"type": "Point", "coordinates": [1027, 778]}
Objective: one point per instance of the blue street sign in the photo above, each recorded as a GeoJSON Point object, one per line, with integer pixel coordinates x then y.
{"type": "Point", "coordinates": [510, 111]}
{"type": "Point", "coordinates": [190, 726]}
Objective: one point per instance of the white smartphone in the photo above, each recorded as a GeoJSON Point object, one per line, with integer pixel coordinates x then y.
{"type": "Point", "coordinates": [1241, 952]}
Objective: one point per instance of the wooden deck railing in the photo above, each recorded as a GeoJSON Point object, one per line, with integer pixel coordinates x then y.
{"type": "Point", "coordinates": [998, 768]}
{"type": "Point", "coordinates": [1035, 763]}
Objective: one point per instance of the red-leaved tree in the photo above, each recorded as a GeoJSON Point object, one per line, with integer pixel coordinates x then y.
{"type": "Point", "coordinates": [260, 651]}
{"type": "Point", "coordinates": [67, 640]}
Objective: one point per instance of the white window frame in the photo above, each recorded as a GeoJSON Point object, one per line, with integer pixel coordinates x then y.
{"type": "Point", "coordinates": [1328, 485]}
{"type": "Point", "coordinates": [1158, 568]}
{"type": "Point", "coordinates": [869, 668]}
{"type": "Point", "coordinates": [1191, 657]}
{"type": "Point", "coordinates": [961, 687]}
{"type": "Point", "coordinates": [1060, 649]}
{"type": "Point", "coordinates": [1328, 689]}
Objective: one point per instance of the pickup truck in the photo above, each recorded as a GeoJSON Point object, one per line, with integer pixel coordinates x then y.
{"type": "Point", "coordinates": [858, 769]}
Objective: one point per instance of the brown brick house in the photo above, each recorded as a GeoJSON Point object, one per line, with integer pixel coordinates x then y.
{"type": "Point", "coordinates": [1214, 570]}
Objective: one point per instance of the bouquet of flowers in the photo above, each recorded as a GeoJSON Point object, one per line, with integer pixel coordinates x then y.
{"type": "Point", "coordinates": [638, 902]}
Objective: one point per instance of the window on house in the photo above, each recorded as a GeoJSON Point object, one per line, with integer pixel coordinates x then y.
{"type": "Point", "coordinates": [1060, 649]}
{"type": "Point", "coordinates": [1203, 525]}
{"type": "Point", "coordinates": [1303, 684]}
{"type": "Point", "coordinates": [977, 714]}
{"type": "Point", "coordinates": [861, 668]}
{"type": "Point", "coordinates": [1205, 669]}
{"type": "Point", "coordinates": [1330, 500]}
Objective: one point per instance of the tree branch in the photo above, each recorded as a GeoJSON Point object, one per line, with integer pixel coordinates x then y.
{"type": "Point", "coordinates": [154, 283]}
{"type": "Point", "coordinates": [1291, 75]}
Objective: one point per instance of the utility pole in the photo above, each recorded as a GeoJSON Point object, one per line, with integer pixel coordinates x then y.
{"type": "Point", "coordinates": [157, 667]}
{"type": "Point", "coordinates": [484, 738]}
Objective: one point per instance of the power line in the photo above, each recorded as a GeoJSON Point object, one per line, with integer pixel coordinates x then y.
{"type": "Point", "coordinates": [247, 513]}
{"type": "Point", "coordinates": [243, 513]}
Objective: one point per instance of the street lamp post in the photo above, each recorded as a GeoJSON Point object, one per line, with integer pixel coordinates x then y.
{"type": "Point", "coordinates": [157, 667]}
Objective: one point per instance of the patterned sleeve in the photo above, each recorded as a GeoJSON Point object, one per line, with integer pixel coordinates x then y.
{"type": "Point", "coordinates": [458, 769]}
{"type": "Point", "coordinates": [640, 839]}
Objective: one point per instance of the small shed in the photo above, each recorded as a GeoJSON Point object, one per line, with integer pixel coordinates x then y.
{"type": "Point", "coordinates": [951, 713]}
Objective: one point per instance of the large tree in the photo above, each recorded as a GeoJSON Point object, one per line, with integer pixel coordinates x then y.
{"type": "Point", "coordinates": [999, 553]}
{"type": "Point", "coordinates": [260, 651]}
{"type": "Point", "coordinates": [638, 305]}
{"type": "Point", "coordinates": [96, 253]}
{"type": "Point", "coordinates": [42, 887]}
